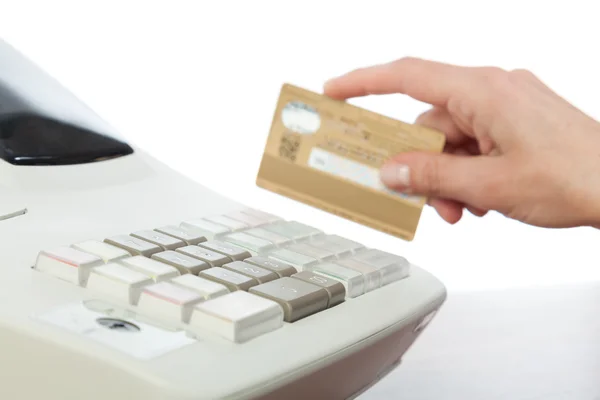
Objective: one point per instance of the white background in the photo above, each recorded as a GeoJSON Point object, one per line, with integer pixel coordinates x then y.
{"type": "Point", "coordinates": [195, 84]}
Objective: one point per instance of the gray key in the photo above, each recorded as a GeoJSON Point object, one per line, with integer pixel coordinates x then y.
{"type": "Point", "coordinates": [260, 274]}
{"type": "Point", "coordinates": [230, 279]}
{"type": "Point", "coordinates": [185, 264]}
{"type": "Point", "coordinates": [280, 268]}
{"type": "Point", "coordinates": [166, 242]}
{"type": "Point", "coordinates": [234, 252]}
{"type": "Point", "coordinates": [335, 290]}
{"type": "Point", "coordinates": [133, 245]}
{"type": "Point", "coordinates": [211, 257]}
{"type": "Point", "coordinates": [298, 298]}
{"type": "Point", "coordinates": [188, 235]}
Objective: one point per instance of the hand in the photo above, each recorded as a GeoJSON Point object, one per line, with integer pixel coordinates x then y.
{"type": "Point", "coordinates": [513, 145]}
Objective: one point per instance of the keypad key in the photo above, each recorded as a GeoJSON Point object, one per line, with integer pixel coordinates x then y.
{"type": "Point", "coordinates": [335, 290]}
{"type": "Point", "coordinates": [231, 224]}
{"type": "Point", "coordinates": [118, 282]}
{"type": "Point", "coordinates": [156, 270]}
{"type": "Point", "coordinates": [209, 229]}
{"type": "Point", "coordinates": [169, 302]}
{"type": "Point", "coordinates": [280, 268]}
{"type": "Point", "coordinates": [238, 316]}
{"type": "Point", "coordinates": [247, 219]}
{"type": "Point", "coordinates": [272, 237]}
{"type": "Point", "coordinates": [313, 252]}
{"type": "Point", "coordinates": [207, 289]}
{"type": "Point", "coordinates": [353, 281]}
{"type": "Point", "coordinates": [260, 274]}
{"type": "Point", "coordinates": [133, 245]}
{"type": "Point", "coordinates": [184, 263]}
{"type": "Point", "coordinates": [188, 235]}
{"type": "Point", "coordinates": [261, 214]}
{"type": "Point", "coordinates": [105, 251]}
{"type": "Point", "coordinates": [392, 267]}
{"type": "Point", "coordinates": [293, 230]}
{"type": "Point", "coordinates": [346, 243]}
{"type": "Point", "coordinates": [68, 264]}
{"type": "Point", "coordinates": [339, 246]}
{"type": "Point", "coordinates": [249, 242]}
{"type": "Point", "coordinates": [298, 298]}
{"type": "Point", "coordinates": [234, 252]}
{"type": "Point", "coordinates": [210, 257]}
{"type": "Point", "coordinates": [230, 279]}
{"type": "Point", "coordinates": [371, 274]}
{"type": "Point", "coordinates": [165, 242]}
{"type": "Point", "coordinates": [298, 260]}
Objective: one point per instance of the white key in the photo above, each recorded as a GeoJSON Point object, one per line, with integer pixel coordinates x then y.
{"type": "Point", "coordinates": [133, 245]}
{"type": "Point", "coordinates": [249, 242]}
{"type": "Point", "coordinates": [166, 242]}
{"type": "Point", "coordinates": [68, 264]}
{"type": "Point", "coordinates": [238, 316]}
{"type": "Point", "coordinates": [392, 267]}
{"type": "Point", "coordinates": [168, 302]}
{"type": "Point", "coordinates": [350, 244]}
{"type": "Point", "coordinates": [353, 281]}
{"type": "Point", "coordinates": [298, 260]}
{"type": "Point", "coordinates": [210, 230]}
{"type": "Point", "coordinates": [156, 270]}
{"type": "Point", "coordinates": [249, 220]}
{"type": "Point", "coordinates": [341, 246]}
{"type": "Point", "coordinates": [232, 224]}
{"type": "Point", "coordinates": [118, 282]}
{"type": "Point", "coordinates": [293, 230]}
{"type": "Point", "coordinates": [189, 235]}
{"type": "Point", "coordinates": [372, 275]}
{"type": "Point", "coordinates": [314, 252]}
{"type": "Point", "coordinates": [108, 253]}
{"type": "Point", "coordinates": [208, 289]}
{"type": "Point", "coordinates": [261, 214]}
{"type": "Point", "coordinates": [269, 236]}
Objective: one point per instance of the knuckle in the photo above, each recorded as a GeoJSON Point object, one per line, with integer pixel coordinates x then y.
{"type": "Point", "coordinates": [521, 73]}
{"type": "Point", "coordinates": [430, 180]}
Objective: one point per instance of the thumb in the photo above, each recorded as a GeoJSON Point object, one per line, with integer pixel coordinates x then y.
{"type": "Point", "coordinates": [467, 179]}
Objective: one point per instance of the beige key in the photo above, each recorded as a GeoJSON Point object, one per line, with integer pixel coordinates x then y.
{"type": "Point", "coordinates": [335, 290]}
{"type": "Point", "coordinates": [189, 235]}
{"type": "Point", "coordinates": [298, 298]}
{"type": "Point", "coordinates": [133, 245]}
{"type": "Point", "coordinates": [260, 274]}
{"type": "Point", "coordinates": [234, 252]}
{"type": "Point", "coordinates": [166, 242]}
{"type": "Point", "coordinates": [230, 279]}
{"type": "Point", "coordinates": [208, 256]}
{"type": "Point", "coordinates": [280, 268]}
{"type": "Point", "coordinates": [185, 264]}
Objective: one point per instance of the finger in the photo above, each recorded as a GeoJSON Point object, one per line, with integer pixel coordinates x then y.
{"type": "Point", "coordinates": [478, 212]}
{"type": "Point", "coordinates": [448, 176]}
{"type": "Point", "coordinates": [450, 211]}
{"type": "Point", "coordinates": [427, 81]}
{"type": "Point", "coordinates": [439, 119]}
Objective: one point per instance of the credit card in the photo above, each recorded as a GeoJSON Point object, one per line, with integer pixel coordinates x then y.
{"type": "Point", "coordinates": [328, 153]}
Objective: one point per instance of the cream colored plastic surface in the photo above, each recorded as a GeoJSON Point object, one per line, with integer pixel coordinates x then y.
{"type": "Point", "coordinates": [72, 204]}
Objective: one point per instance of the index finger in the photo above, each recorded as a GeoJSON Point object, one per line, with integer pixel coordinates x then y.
{"type": "Point", "coordinates": [427, 81]}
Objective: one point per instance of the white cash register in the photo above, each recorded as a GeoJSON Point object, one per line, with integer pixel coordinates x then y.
{"type": "Point", "coordinates": [122, 279]}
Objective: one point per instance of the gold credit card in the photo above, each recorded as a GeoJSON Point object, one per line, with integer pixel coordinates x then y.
{"type": "Point", "coordinates": [327, 153]}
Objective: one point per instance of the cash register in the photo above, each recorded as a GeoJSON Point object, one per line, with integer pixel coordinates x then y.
{"type": "Point", "coordinates": [120, 278]}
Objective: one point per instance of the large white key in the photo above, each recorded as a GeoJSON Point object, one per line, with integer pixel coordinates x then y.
{"type": "Point", "coordinates": [208, 289]}
{"type": "Point", "coordinates": [105, 251]}
{"type": "Point", "coordinates": [168, 301]}
{"type": "Point", "coordinates": [133, 245]}
{"type": "Point", "coordinates": [68, 264]}
{"type": "Point", "coordinates": [156, 270]}
{"type": "Point", "coordinates": [238, 316]}
{"type": "Point", "coordinates": [392, 267]}
{"type": "Point", "coordinates": [118, 282]}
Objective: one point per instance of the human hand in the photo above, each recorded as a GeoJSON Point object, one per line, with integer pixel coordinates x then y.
{"type": "Point", "coordinates": [513, 145]}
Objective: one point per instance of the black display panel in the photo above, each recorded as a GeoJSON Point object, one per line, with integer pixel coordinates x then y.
{"type": "Point", "coordinates": [33, 139]}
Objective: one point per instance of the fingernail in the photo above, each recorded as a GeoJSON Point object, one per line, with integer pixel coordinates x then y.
{"type": "Point", "coordinates": [395, 175]}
